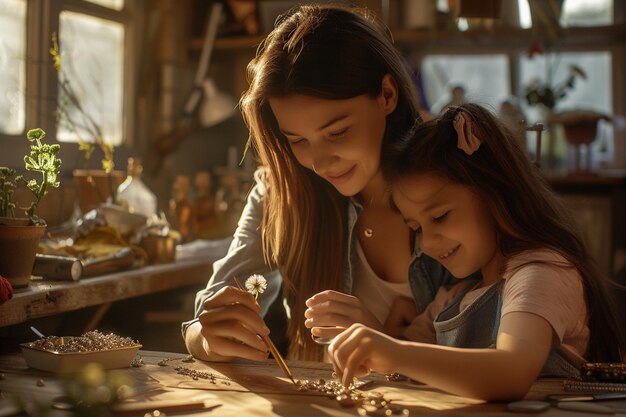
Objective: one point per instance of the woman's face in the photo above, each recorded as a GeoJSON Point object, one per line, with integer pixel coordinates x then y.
{"type": "Point", "coordinates": [340, 140]}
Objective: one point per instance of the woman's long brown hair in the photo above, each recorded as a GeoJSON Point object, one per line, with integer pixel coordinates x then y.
{"type": "Point", "coordinates": [331, 52]}
{"type": "Point", "coordinates": [528, 213]}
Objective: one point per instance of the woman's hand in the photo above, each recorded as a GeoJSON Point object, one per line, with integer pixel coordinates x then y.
{"type": "Point", "coordinates": [359, 350]}
{"type": "Point", "coordinates": [230, 325]}
{"type": "Point", "coordinates": [330, 312]}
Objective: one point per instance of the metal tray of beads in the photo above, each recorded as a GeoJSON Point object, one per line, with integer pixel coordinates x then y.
{"type": "Point", "coordinates": [63, 354]}
{"type": "Point", "coordinates": [604, 372]}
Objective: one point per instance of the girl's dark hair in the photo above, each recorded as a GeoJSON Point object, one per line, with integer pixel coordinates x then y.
{"type": "Point", "coordinates": [528, 213]}
{"type": "Point", "coordinates": [331, 52]}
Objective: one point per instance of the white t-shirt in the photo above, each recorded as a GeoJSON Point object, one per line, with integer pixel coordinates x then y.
{"type": "Point", "coordinates": [374, 292]}
{"type": "Point", "coordinates": [541, 282]}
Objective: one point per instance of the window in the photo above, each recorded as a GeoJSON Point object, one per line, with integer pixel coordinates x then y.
{"type": "Point", "coordinates": [93, 62]}
{"type": "Point", "coordinates": [593, 92]}
{"type": "Point", "coordinates": [93, 39]}
{"type": "Point", "coordinates": [113, 4]}
{"type": "Point", "coordinates": [573, 12]}
{"type": "Point", "coordinates": [485, 79]}
{"type": "Point", "coordinates": [12, 66]}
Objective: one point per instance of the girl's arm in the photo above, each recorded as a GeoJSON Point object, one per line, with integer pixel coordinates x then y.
{"type": "Point", "coordinates": [505, 372]}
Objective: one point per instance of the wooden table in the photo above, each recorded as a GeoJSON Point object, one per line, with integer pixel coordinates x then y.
{"type": "Point", "coordinates": [46, 298]}
{"type": "Point", "coordinates": [245, 388]}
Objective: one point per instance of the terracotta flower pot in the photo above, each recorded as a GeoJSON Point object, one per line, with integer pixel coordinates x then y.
{"type": "Point", "coordinates": [18, 246]}
{"type": "Point", "coordinates": [94, 186]}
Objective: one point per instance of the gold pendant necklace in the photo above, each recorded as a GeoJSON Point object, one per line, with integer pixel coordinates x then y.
{"type": "Point", "coordinates": [368, 232]}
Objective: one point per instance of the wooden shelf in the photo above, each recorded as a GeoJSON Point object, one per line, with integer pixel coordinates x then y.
{"type": "Point", "coordinates": [505, 36]}
{"type": "Point", "coordinates": [230, 43]}
{"type": "Point", "coordinates": [429, 38]}
{"type": "Point", "coordinates": [604, 177]}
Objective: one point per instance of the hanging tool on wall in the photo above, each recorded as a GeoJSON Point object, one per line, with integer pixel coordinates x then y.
{"type": "Point", "coordinates": [167, 143]}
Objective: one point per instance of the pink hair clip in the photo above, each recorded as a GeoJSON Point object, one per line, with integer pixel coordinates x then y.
{"type": "Point", "coordinates": [468, 141]}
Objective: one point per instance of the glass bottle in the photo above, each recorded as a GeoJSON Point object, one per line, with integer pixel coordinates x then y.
{"type": "Point", "coordinates": [228, 204]}
{"type": "Point", "coordinates": [134, 194]}
{"type": "Point", "coordinates": [203, 205]}
{"type": "Point", "coordinates": [180, 209]}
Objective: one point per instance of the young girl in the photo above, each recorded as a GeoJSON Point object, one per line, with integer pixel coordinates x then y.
{"type": "Point", "coordinates": [464, 185]}
{"type": "Point", "coordinates": [327, 90]}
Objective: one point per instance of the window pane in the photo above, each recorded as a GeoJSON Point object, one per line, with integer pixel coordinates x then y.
{"type": "Point", "coordinates": [593, 93]}
{"type": "Point", "coordinates": [587, 13]}
{"type": "Point", "coordinates": [485, 79]}
{"type": "Point", "coordinates": [12, 66]}
{"type": "Point", "coordinates": [92, 56]}
{"type": "Point", "coordinates": [573, 12]}
{"type": "Point", "coordinates": [111, 4]}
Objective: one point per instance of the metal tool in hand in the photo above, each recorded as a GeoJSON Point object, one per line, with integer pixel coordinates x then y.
{"type": "Point", "coordinates": [279, 359]}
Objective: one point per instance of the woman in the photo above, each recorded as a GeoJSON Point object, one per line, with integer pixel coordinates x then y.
{"type": "Point", "coordinates": [327, 91]}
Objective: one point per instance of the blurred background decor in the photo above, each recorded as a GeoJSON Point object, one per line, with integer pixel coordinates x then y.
{"type": "Point", "coordinates": [547, 92]}
{"type": "Point", "coordinates": [581, 129]}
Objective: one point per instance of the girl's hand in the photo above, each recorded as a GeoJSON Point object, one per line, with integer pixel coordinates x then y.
{"type": "Point", "coordinates": [231, 324]}
{"type": "Point", "coordinates": [359, 350]}
{"type": "Point", "coordinates": [330, 312]}
{"type": "Point", "coordinates": [401, 315]}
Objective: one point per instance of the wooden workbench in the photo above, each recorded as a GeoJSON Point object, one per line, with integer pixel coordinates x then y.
{"type": "Point", "coordinates": [260, 389]}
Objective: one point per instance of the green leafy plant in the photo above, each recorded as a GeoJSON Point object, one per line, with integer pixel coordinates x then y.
{"type": "Point", "coordinates": [548, 93]}
{"type": "Point", "coordinates": [43, 159]}
{"type": "Point", "coordinates": [7, 188]}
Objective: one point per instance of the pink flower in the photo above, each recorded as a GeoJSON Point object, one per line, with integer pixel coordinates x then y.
{"type": "Point", "coordinates": [535, 48]}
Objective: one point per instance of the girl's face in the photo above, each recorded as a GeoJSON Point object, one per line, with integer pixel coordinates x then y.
{"type": "Point", "coordinates": [454, 225]}
{"type": "Point", "coordinates": [338, 139]}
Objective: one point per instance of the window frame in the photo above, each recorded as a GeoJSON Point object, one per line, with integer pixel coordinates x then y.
{"type": "Point", "coordinates": [514, 41]}
{"type": "Point", "coordinates": [42, 19]}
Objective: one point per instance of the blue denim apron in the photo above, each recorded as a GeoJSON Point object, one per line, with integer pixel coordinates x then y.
{"type": "Point", "coordinates": [477, 327]}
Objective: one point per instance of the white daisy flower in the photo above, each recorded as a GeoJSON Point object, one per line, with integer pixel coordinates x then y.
{"type": "Point", "coordinates": [256, 284]}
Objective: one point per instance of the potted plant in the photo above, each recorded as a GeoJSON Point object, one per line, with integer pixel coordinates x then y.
{"type": "Point", "coordinates": [581, 129]}
{"type": "Point", "coordinates": [19, 236]}
{"type": "Point", "coordinates": [548, 93]}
